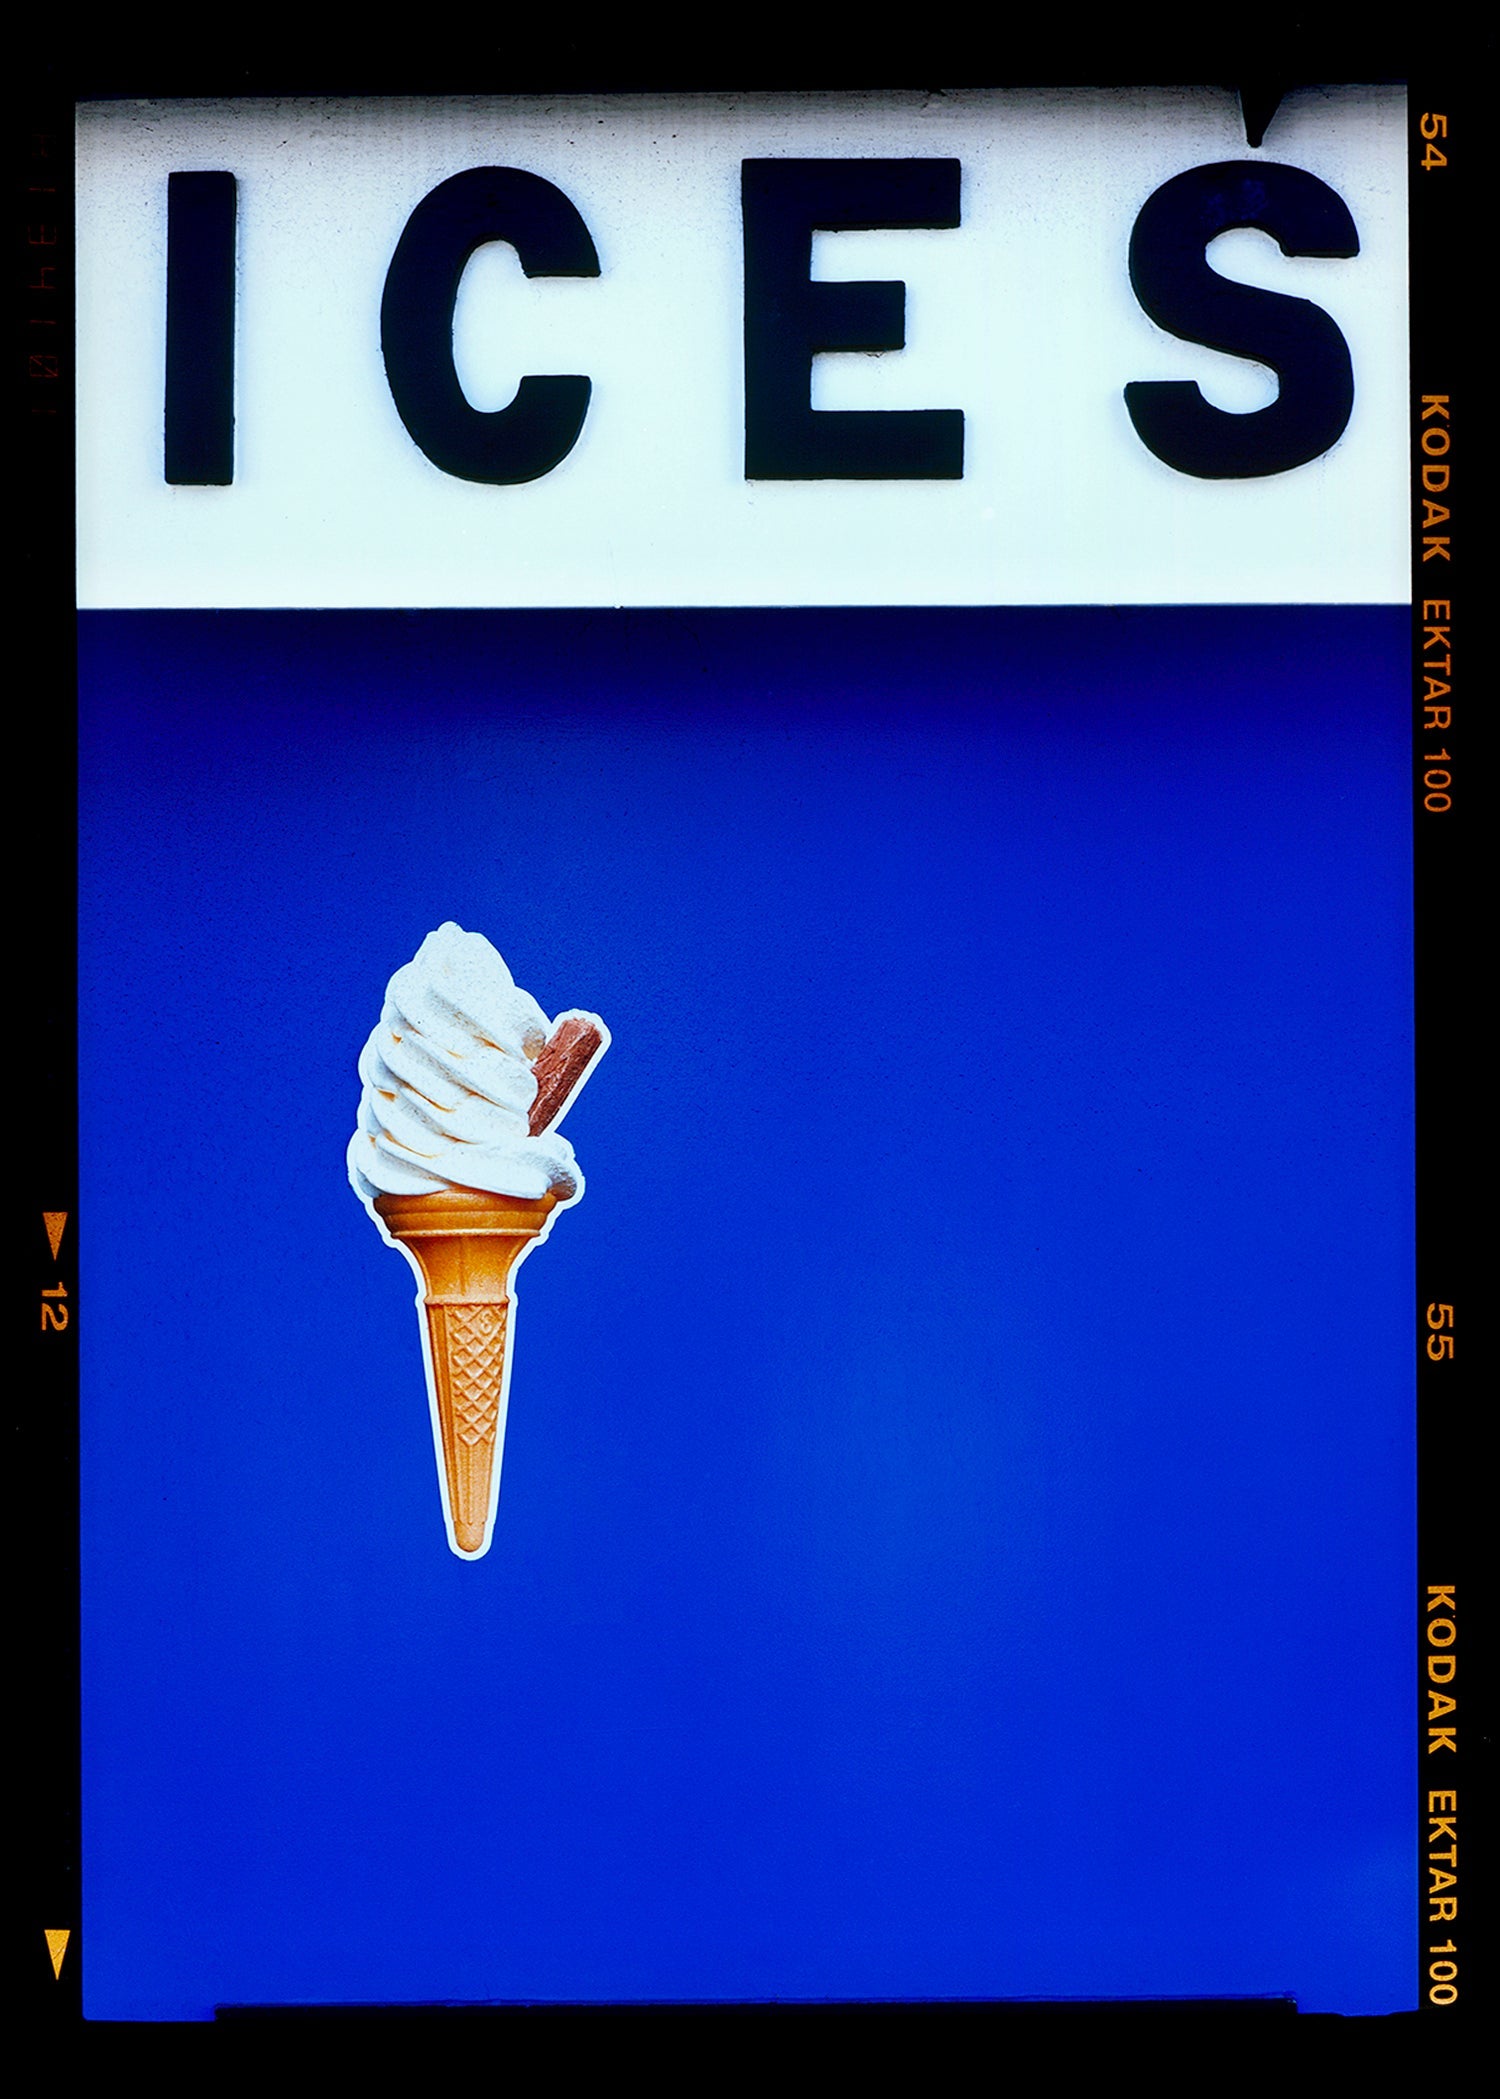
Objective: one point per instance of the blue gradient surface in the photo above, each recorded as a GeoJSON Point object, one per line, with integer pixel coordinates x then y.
{"type": "Point", "coordinates": [957, 1527]}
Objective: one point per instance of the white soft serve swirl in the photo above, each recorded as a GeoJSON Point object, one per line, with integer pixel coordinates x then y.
{"type": "Point", "coordinates": [448, 1084]}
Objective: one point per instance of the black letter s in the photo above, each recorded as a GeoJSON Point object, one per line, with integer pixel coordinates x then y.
{"type": "Point", "coordinates": [1173, 281]}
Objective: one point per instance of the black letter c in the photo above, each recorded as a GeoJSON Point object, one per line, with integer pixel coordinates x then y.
{"type": "Point", "coordinates": [541, 425]}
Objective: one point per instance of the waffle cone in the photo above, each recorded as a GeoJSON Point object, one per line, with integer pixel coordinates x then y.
{"type": "Point", "coordinates": [465, 1245]}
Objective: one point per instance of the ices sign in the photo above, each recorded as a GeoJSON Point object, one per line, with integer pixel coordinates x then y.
{"type": "Point", "coordinates": [515, 353]}
{"type": "Point", "coordinates": [789, 320]}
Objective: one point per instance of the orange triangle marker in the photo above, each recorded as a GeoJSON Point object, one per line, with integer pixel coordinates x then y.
{"type": "Point", "coordinates": [57, 1943]}
{"type": "Point", "coordinates": [54, 1220]}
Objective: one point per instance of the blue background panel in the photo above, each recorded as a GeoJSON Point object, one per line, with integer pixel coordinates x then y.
{"type": "Point", "coordinates": [957, 1522]}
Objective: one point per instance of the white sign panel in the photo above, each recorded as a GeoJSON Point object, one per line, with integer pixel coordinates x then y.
{"type": "Point", "coordinates": [1012, 298]}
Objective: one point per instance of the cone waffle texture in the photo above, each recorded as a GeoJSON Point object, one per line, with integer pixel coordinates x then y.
{"type": "Point", "coordinates": [465, 1245]}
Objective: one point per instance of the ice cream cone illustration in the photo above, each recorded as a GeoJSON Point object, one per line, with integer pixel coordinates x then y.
{"type": "Point", "coordinates": [465, 1247]}
{"type": "Point", "coordinates": [458, 1160]}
